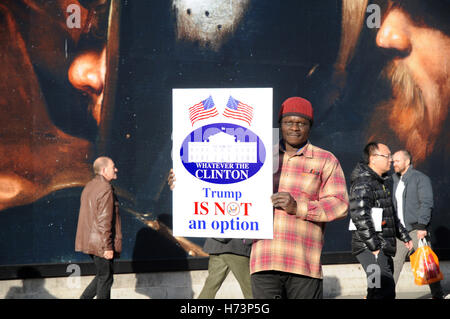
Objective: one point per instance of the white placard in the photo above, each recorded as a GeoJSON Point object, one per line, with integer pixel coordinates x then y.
{"type": "Point", "coordinates": [223, 161]}
{"type": "Point", "coordinates": [377, 218]}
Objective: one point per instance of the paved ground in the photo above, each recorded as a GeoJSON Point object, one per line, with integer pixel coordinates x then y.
{"type": "Point", "coordinates": [403, 295]}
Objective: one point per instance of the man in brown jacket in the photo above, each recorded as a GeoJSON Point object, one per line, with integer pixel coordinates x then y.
{"type": "Point", "coordinates": [99, 229]}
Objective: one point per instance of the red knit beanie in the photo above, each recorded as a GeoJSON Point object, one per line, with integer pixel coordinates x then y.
{"type": "Point", "coordinates": [297, 106]}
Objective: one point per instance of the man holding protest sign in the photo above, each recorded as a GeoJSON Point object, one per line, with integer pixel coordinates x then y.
{"type": "Point", "coordinates": [309, 190]}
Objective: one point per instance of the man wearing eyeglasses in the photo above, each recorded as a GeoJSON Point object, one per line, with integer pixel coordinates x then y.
{"type": "Point", "coordinates": [374, 240]}
{"type": "Point", "coordinates": [309, 191]}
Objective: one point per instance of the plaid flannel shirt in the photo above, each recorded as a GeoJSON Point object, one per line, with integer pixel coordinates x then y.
{"type": "Point", "coordinates": [315, 180]}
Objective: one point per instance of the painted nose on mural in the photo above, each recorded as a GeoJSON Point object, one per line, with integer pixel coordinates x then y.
{"type": "Point", "coordinates": [394, 32]}
{"type": "Point", "coordinates": [87, 74]}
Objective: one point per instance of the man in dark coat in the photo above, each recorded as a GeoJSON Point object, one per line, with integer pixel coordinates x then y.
{"type": "Point", "coordinates": [413, 201]}
{"type": "Point", "coordinates": [374, 244]}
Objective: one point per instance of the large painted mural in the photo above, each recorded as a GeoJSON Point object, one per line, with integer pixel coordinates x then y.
{"type": "Point", "coordinates": [87, 78]}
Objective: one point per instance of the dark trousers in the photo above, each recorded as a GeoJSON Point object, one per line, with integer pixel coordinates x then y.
{"type": "Point", "coordinates": [101, 285]}
{"type": "Point", "coordinates": [282, 285]}
{"type": "Point", "coordinates": [379, 272]}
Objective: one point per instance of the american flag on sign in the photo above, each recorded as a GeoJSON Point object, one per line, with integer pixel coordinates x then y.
{"type": "Point", "coordinates": [237, 110]}
{"type": "Point", "coordinates": [202, 110]}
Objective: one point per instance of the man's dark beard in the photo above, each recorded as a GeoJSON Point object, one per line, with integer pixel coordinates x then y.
{"type": "Point", "coordinates": [415, 124]}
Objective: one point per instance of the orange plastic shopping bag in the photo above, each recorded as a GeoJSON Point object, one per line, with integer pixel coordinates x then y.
{"type": "Point", "coordinates": [425, 265]}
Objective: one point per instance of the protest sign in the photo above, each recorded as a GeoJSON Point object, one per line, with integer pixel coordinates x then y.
{"type": "Point", "coordinates": [222, 160]}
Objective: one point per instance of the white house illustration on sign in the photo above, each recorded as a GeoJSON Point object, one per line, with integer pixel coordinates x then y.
{"type": "Point", "coordinates": [222, 148]}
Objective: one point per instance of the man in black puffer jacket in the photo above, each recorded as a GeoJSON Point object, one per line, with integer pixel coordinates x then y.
{"type": "Point", "coordinates": [374, 248]}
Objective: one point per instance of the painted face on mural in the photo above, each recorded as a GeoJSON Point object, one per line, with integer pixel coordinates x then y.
{"type": "Point", "coordinates": [53, 77]}
{"type": "Point", "coordinates": [418, 41]}
{"type": "Point", "coordinates": [60, 79]}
